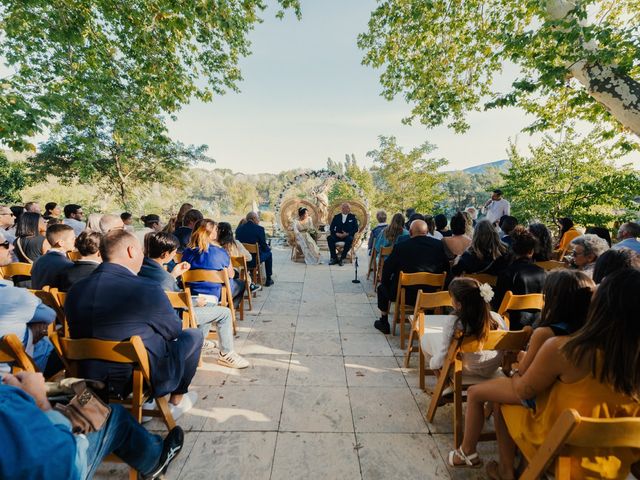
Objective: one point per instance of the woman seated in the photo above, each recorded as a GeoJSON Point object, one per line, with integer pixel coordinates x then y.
{"type": "Point", "coordinates": [458, 242]}
{"type": "Point", "coordinates": [613, 260]}
{"type": "Point", "coordinates": [304, 230]}
{"type": "Point", "coordinates": [486, 254]}
{"type": "Point", "coordinates": [586, 250]}
{"type": "Point", "coordinates": [392, 234]}
{"type": "Point", "coordinates": [202, 253]}
{"type": "Point", "coordinates": [30, 243]}
{"type": "Point", "coordinates": [544, 244]}
{"type": "Point", "coordinates": [474, 318]}
{"type": "Point", "coordinates": [567, 233]}
{"type": "Point", "coordinates": [235, 249]}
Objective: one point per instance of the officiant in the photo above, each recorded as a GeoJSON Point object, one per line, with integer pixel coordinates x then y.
{"type": "Point", "coordinates": [344, 227]}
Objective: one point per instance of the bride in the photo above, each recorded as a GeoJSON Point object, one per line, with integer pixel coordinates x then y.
{"type": "Point", "coordinates": [304, 231]}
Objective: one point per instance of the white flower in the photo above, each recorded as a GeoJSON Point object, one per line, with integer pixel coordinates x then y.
{"type": "Point", "coordinates": [486, 292]}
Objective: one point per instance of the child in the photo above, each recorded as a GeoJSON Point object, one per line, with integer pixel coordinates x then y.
{"type": "Point", "coordinates": [47, 267]}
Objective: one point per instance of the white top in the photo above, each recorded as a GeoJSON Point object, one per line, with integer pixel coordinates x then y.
{"type": "Point", "coordinates": [496, 209]}
{"type": "Point", "coordinates": [436, 234]}
{"type": "Point", "coordinates": [439, 331]}
{"type": "Point", "coordinates": [77, 225]}
{"type": "Point", "coordinates": [344, 218]}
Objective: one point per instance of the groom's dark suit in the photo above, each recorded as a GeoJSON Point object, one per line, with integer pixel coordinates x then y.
{"type": "Point", "coordinates": [350, 226]}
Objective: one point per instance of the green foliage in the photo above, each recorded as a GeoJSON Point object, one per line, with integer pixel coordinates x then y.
{"type": "Point", "coordinates": [360, 175]}
{"type": "Point", "coordinates": [573, 177]}
{"type": "Point", "coordinates": [14, 177]}
{"type": "Point", "coordinates": [443, 56]}
{"type": "Point", "coordinates": [404, 180]}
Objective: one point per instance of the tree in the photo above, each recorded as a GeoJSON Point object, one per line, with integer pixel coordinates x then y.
{"type": "Point", "coordinates": [577, 59]}
{"type": "Point", "coordinates": [406, 180]}
{"type": "Point", "coordinates": [571, 177]}
{"type": "Point", "coordinates": [360, 175]}
{"type": "Point", "coordinates": [14, 177]}
{"type": "Point", "coordinates": [241, 193]}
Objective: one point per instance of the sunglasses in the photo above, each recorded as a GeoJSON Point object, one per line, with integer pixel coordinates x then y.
{"type": "Point", "coordinates": [5, 245]}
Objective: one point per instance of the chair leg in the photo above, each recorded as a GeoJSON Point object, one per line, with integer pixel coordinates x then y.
{"type": "Point", "coordinates": [421, 368]}
{"type": "Point", "coordinates": [402, 319]}
{"type": "Point", "coordinates": [457, 413]}
{"type": "Point", "coordinates": [136, 400]}
{"type": "Point", "coordinates": [437, 394]}
{"type": "Point", "coordinates": [163, 407]}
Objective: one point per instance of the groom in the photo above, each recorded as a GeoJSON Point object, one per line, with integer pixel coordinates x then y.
{"type": "Point", "coordinates": [344, 226]}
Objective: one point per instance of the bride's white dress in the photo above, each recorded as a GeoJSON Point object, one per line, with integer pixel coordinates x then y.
{"type": "Point", "coordinates": [306, 242]}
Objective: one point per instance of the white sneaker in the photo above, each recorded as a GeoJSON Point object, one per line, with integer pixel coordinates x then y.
{"type": "Point", "coordinates": [232, 360]}
{"type": "Point", "coordinates": [149, 405]}
{"type": "Point", "coordinates": [209, 348]}
{"type": "Point", "coordinates": [189, 399]}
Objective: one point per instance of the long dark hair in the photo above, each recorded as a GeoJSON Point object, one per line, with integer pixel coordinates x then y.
{"type": "Point", "coordinates": [394, 229]}
{"type": "Point", "coordinates": [28, 224]}
{"type": "Point", "coordinates": [611, 333]}
{"type": "Point", "coordinates": [613, 260]}
{"type": "Point", "coordinates": [565, 224]}
{"type": "Point", "coordinates": [567, 296]}
{"type": "Point", "coordinates": [225, 235]}
{"type": "Point", "coordinates": [544, 245]}
{"type": "Point", "coordinates": [474, 312]}
{"type": "Point", "coordinates": [486, 244]}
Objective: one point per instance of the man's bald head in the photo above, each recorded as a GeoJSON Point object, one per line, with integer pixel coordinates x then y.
{"type": "Point", "coordinates": [110, 222]}
{"type": "Point", "coordinates": [122, 248]}
{"type": "Point", "coordinates": [346, 209]}
{"type": "Point", "coordinates": [253, 217]}
{"type": "Point", "coordinates": [418, 228]}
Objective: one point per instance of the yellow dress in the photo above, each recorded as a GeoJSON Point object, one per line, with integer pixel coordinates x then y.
{"type": "Point", "coordinates": [591, 399]}
{"type": "Point", "coordinates": [567, 237]}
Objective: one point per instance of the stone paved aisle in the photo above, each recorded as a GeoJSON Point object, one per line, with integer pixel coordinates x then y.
{"type": "Point", "coordinates": [325, 398]}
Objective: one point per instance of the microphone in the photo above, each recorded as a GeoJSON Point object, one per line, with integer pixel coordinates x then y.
{"type": "Point", "coordinates": [355, 280]}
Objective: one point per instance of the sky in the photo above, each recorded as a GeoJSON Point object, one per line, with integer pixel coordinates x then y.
{"type": "Point", "coordinates": [306, 96]}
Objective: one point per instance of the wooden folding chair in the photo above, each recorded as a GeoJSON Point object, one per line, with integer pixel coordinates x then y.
{"type": "Point", "coordinates": [214, 276]}
{"type": "Point", "coordinates": [382, 256]}
{"type": "Point", "coordinates": [575, 436]}
{"type": "Point", "coordinates": [482, 278]}
{"type": "Point", "coordinates": [511, 302]}
{"type": "Point", "coordinates": [16, 269]}
{"type": "Point", "coordinates": [551, 265]}
{"type": "Point", "coordinates": [12, 351]}
{"type": "Point", "coordinates": [433, 302]}
{"type": "Point", "coordinates": [372, 263]}
{"type": "Point", "coordinates": [424, 279]}
{"type": "Point", "coordinates": [49, 297]}
{"type": "Point", "coordinates": [241, 264]}
{"type": "Point", "coordinates": [182, 301]}
{"type": "Point", "coordinates": [254, 250]}
{"type": "Point", "coordinates": [560, 253]}
{"type": "Point", "coordinates": [74, 255]}
{"type": "Point", "coordinates": [452, 371]}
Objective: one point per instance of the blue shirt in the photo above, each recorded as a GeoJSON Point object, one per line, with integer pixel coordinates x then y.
{"type": "Point", "coordinates": [215, 258]}
{"type": "Point", "coordinates": [153, 270]}
{"type": "Point", "coordinates": [630, 243]}
{"type": "Point", "coordinates": [37, 444]}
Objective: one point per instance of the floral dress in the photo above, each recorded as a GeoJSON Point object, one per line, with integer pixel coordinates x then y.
{"type": "Point", "coordinates": [303, 232]}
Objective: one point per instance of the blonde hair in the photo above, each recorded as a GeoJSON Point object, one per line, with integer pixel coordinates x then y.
{"type": "Point", "coordinates": [200, 238]}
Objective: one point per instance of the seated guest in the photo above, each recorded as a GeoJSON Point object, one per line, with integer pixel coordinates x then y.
{"type": "Point", "coordinates": [235, 249]}
{"type": "Point", "coordinates": [251, 232]}
{"type": "Point", "coordinates": [474, 318]}
{"type": "Point", "coordinates": [586, 250]}
{"type": "Point", "coordinates": [457, 242]}
{"type": "Point", "coordinates": [567, 300]}
{"type": "Point", "coordinates": [183, 232]}
{"type": "Point", "coordinates": [151, 224]}
{"type": "Point", "coordinates": [113, 303]}
{"type": "Point", "coordinates": [47, 268]}
{"type": "Point", "coordinates": [73, 218]}
{"type": "Point", "coordinates": [409, 212]}
{"type": "Point", "coordinates": [507, 224]}
{"type": "Point", "coordinates": [544, 245]}
{"type": "Point", "coordinates": [160, 249]}
{"type": "Point", "coordinates": [93, 222]}
{"type": "Point", "coordinates": [470, 223]}
{"type": "Point", "coordinates": [486, 254]}
{"type": "Point", "coordinates": [110, 222]}
{"type": "Point", "coordinates": [51, 210]}
{"type": "Point", "coordinates": [441, 225]}
{"type": "Point", "coordinates": [566, 234]}
{"type": "Point", "coordinates": [28, 419]}
{"type": "Point", "coordinates": [88, 246]}
{"type": "Point", "coordinates": [33, 207]}
{"type": "Point", "coordinates": [628, 235]}
{"type": "Point", "coordinates": [127, 221]}
{"type": "Point", "coordinates": [184, 208]}
{"type": "Point", "coordinates": [392, 234]}
{"type": "Point", "coordinates": [594, 371]}
{"type": "Point", "coordinates": [30, 243]}
{"type": "Point", "coordinates": [613, 260]}
{"type": "Point", "coordinates": [602, 232]}
{"type": "Point", "coordinates": [381, 217]}
{"type": "Point", "coordinates": [7, 224]}
{"type": "Point", "coordinates": [431, 225]}
{"type": "Point", "coordinates": [521, 277]}
{"type": "Point", "coordinates": [23, 314]}
{"type": "Point", "coordinates": [344, 227]}
{"type": "Point", "coordinates": [418, 254]}
{"type": "Point", "coordinates": [473, 214]}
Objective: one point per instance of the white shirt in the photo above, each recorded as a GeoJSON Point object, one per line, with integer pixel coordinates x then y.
{"type": "Point", "coordinates": [496, 209]}
{"type": "Point", "coordinates": [78, 226]}
{"type": "Point", "coordinates": [344, 218]}
{"type": "Point", "coordinates": [436, 234]}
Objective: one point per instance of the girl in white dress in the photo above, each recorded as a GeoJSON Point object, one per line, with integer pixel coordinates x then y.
{"type": "Point", "coordinates": [303, 229]}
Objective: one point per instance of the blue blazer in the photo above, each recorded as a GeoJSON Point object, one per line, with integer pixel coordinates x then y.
{"type": "Point", "coordinates": [46, 269]}
{"type": "Point", "coordinates": [114, 304]}
{"type": "Point", "coordinates": [351, 226]}
{"type": "Point", "coordinates": [253, 233]}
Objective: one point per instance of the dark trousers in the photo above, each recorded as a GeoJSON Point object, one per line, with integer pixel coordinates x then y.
{"type": "Point", "coordinates": [385, 296]}
{"type": "Point", "coordinates": [267, 259]}
{"type": "Point", "coordinates": [188, 346]}
{"type": "Point", "coordinates": [237, 291]}
{"type": "Point", "coordinates": [331, 240]}
{"type": "Point", "coordinates": [126, 438]}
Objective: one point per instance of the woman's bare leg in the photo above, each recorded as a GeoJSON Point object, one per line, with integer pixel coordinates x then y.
{"type": "Point", "coordinates": [506, 445]}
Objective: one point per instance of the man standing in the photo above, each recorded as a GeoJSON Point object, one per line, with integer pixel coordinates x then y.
{"type": "Point", "coordinates": [73, 218]}
{"type": "Point", "coordinates": [496, 207]}
{"type": "Point", "coordinates": [628, 236]}
{"type": "Point", "coordinates": [420, 253]}
{"type": "Point", "coordinates": [251, 232]}
{"type": "Point", "coordinates": [344, 227]}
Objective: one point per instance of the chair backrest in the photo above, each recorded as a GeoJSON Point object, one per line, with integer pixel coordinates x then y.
{"type": "Point", "coordinates": [551, 265]}
{"type": "Point", "coordinates": [16, 269]}
{"type": "Point", "coordinates": [74, 256]}
{"type": "Point", "coordinates": [384, 253]}
{"type": "Point", "coordinates": [213, 276]}
{"type": "Point", "coordinates": [498, 340]}
{"type": "Point", "coordinates": [511, 302]}
{"type": "Point", "coordinates": [182, 301]}
{"type": "Point", "coordinates": [483, 278]}
{"type": "Point", "coordinates": [432, 301]}
{"type": "Point", "coordinates": [253, 249]}
{"type": "Point", "coordinates": [422, 278]}
{"type": "Point", "coordinates": [12, 351]}
{"type": "Point", "coordinates": [239, 262]}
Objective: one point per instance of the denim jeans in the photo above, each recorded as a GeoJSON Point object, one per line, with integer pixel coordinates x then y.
{"type": "Point", "coordinates": [125, 437]}
{"type": "Point", "coordinates": [221, 316]}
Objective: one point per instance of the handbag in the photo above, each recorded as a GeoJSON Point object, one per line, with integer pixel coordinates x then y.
{"type": "Point", "coordinates": [86, 411]}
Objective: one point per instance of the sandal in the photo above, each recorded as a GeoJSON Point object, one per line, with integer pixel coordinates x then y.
{"type": "Point", "coordinates": [470, 461]}
{"type": "Point", "coordinates": [493, 471]}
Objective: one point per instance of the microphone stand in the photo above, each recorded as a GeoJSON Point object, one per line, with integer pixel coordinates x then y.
{"type": "Point", "coordinates": [355, 280]}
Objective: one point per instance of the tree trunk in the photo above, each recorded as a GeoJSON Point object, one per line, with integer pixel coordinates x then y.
{"type": "Point", "coordinates": [619, 94]}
